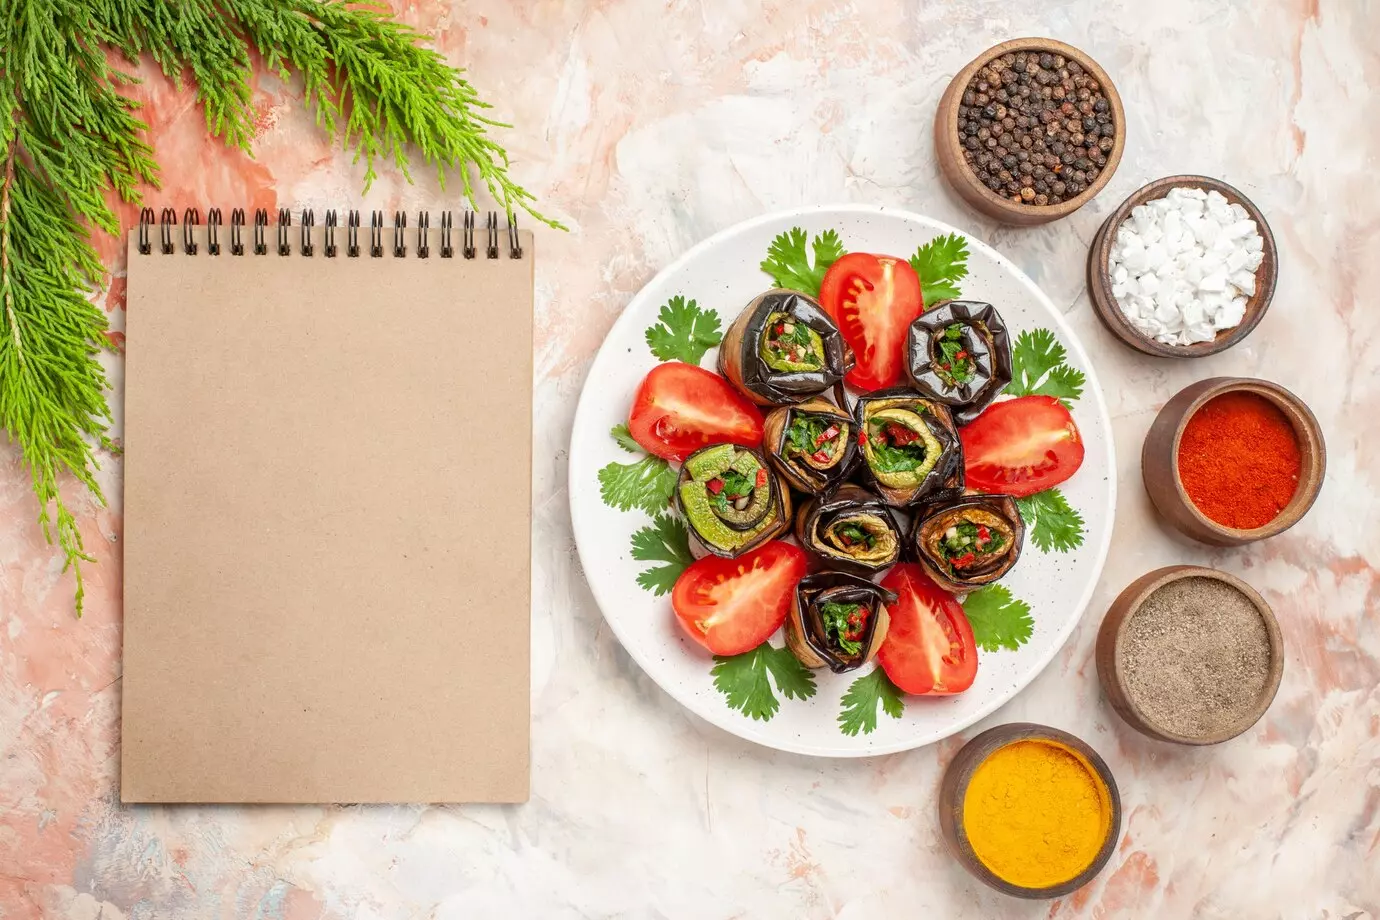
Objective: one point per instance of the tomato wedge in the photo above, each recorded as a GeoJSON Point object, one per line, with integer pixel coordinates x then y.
{"type": "Point", "coordinates": [929, 649]}
{"type": "Point", "coordinates": [1021, 446]}
{"type": "Point", "coordinates": [679, 408]}
{"type": "Point", "coordinates": [731, 606]}
{"type": "Point", "coordinates": [873, 299]}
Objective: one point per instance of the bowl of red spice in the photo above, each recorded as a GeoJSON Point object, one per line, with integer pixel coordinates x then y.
{"type": "Point", "coordinates": [1232, 460]}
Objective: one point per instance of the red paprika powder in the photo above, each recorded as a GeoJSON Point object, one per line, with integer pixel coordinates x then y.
{"type": "Point", "coordinates": [1239, 460]}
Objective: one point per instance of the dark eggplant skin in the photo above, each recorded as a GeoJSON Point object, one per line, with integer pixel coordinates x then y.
{"type": "Point", "coordinates": [946, 478]}
{"type": "Point", "coordinates": [798, 473]}
{"type": "Point", "coordinates": [740, 360]}
{"type": "Point", "coordinates": [987, 340]}
{"type": "Point", "coordinates": [933, 516]}
{"type": "Point", "coordinates": [780, 507]}
{"type": "Point", "coordinates": [819, 512]}
{"type": "Point", "coordinates": [805, 635]}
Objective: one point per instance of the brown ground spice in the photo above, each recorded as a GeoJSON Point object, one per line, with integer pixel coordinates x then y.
{"type": "Point", "coordinates": [1196, 656]}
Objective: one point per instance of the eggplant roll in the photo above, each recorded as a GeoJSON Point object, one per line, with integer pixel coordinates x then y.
{"type": "Point", "coordinates": [850, 529]}
{"type": "Point", "coordinates": [970, 541]}
{"type": "Point", "coordinates": [811, 445]}
{"type": "Point", "coordinates": [837, 621]}
{"type": "Point", "coordinates": [910, 448]}
{"type": "Point", "coordinates": [731, 500]}
{"type": "Point", "coordinates": [959, 354]}
{"type": "Point", "coordinates": [783, 348]}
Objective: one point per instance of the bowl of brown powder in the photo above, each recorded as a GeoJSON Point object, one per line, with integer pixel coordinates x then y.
{"type": "Point", "coordinates": [1190, 655]}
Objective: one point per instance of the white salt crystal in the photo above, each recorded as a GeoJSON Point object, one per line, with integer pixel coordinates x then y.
{"type": "Point", "coordinates": [1244, 282]}
{"type": "Point", "coordinates": [1183, 265]}
{"type": "Point", "coordinates": [1213, 281]}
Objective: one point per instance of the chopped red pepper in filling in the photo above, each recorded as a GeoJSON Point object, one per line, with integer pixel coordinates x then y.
{"type": "Point", "coordinates": [715, 486]}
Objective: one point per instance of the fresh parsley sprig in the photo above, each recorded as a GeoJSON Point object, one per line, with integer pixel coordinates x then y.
{"type": "Point", "coordinates": [859, 712]}
{"type": "Point", "coordinates": [664, 540]}
{"type": "Point", "coordinates": [684, 331]}
{"type": "Point", "coordinates": [789, 264]}
{"type": "Point", "coordinates": [1051, 522]}
{"type": "Point", "coordinates": [941, 264]}
{"type": "Point", "coordinates": [646, 484]}
{"type": "Point", "coordinates": [1039, 366]}
{"type": "Point", "coordinates": [746, 680]}
{"type": "Point", "coordinates": [999, 620]}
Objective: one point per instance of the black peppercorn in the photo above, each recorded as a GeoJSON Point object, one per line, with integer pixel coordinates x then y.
{"type": "Point", "coordinates": [1034, 127]}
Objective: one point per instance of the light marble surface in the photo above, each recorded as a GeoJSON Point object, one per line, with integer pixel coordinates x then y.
{"type": "Point", "coordinates": [647, 126]}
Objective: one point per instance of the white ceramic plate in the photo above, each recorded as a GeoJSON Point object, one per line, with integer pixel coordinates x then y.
{"type": "Point", "coordinates": [723, 273]}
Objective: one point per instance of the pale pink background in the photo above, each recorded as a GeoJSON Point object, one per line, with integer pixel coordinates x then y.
{"type": "Point", "coordinates": [645, 127]}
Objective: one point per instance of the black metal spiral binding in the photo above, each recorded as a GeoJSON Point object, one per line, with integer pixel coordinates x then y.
{"type": "Point", "coordinates": [191, 219]}
{"type": "Point", "coordinates": [308, 222]}
{"type": "Point", "coordinates": [145, 221]}
{"type": "Point", "coordinates": [329, 246]}
{"type": "Point", "coordinates": [213, 220]}
{"type": "Point", "coordinates": [468, 248]}
{"type": "Point", "coordinates": [236, 226]}
{"type": "Point", "coordinates": [375, 234]}
{"type": "Point", "coordinates": [260, 231]}
{"type": "Point", "coordinates": [191, 222]}
{"type": "Point", "coordinates": [284, 224]}
{"type": "Point", "coordinates": [166, 221]}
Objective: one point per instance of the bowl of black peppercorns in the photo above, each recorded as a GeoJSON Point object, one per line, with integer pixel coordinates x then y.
{"type": "Point", "coordinates": [1029, 131]}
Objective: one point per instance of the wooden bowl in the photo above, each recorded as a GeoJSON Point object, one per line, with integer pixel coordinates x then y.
{"type": "Point", "coordinates": [1159, 460]}
{"type": "Point", "coordinates": [1100, 281]}
{"type": "Point", "coordinates": [954, 787]}
{"type": "Point", "coordinates": [1113, 632]}
{"type": "Point", "coordinates": [950, 152]}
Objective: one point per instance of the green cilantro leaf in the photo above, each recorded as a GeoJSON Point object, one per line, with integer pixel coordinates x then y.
{"type": "Point", "coordinates": [663, 540]}
{"type": "Point", "coordinates": [1051, 522]}
{"type": "Point", "coordinates": [1038, 367]}
{"type": "Point", "coordinates": [743, 680]}
{"type": "Point", "coordinates": [999, 621]}
{"type": "Point", "coordinates": [859, 713]}
{"type": "Point", "coordinates": [941, 264]}
{"type": "Point", "coordinates": [646, 484]}
{"type": "Point", "coordinates": [625, 439]}
{"type": "Point", "coordinates": [685, 332]}
{"type": "Point", "coordinates": [789, 264]}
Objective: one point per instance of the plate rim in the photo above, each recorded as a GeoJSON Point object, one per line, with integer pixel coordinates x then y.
{"type": "Point", "coordinates": [749, 730]}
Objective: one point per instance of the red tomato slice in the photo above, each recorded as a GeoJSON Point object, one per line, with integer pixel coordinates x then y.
{"type": "Point", "coordinates": [929, 649]}
{"type": "Point", "coordinates": [1021, 446]}
{"type": "Point", "coordinates": [731, 606]}
{"type": "Point", "coordinates": [873, 299]}
{"type": "Point", "coordinates": [680, 408]}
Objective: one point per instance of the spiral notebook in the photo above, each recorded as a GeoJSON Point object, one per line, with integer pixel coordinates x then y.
{"type": "Point", "coordinates": [327, 509]}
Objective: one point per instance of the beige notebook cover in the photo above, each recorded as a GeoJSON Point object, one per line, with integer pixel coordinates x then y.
{"type": "Point", "coordinates": [327, 525]}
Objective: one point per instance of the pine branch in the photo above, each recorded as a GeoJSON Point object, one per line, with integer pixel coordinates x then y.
{"type": "Point", "coordinates": [70, 137]}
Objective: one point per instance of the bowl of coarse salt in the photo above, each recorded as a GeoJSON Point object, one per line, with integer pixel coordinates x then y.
{"type": "Point", "coordinates": [1185, 267]}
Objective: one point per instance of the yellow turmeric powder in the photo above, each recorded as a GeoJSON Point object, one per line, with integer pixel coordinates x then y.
{"type": "Point", "coordinates": [1036, 813]}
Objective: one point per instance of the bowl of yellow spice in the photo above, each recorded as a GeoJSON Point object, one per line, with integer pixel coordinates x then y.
{"type": "Point", "coordinates": [1030, 810]}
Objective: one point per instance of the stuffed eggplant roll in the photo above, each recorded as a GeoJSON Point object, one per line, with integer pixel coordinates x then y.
{"type": "Point", "coordinates": [910, 448]}
{"type": "Point", "coordinates": [811, 445]}
{"type": "Point", "coordinates": [837, 621]}
{"type": "Point", "coordinates": [731, 500]}
{"type": "Point", "coordinates": [959, 354]}
{"type": "Point", "coordinates": [783, 348]}
{"type": "Point", "coordinates": [850, 529]}
{"type": "Point", "coordinates": [970, 541]}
